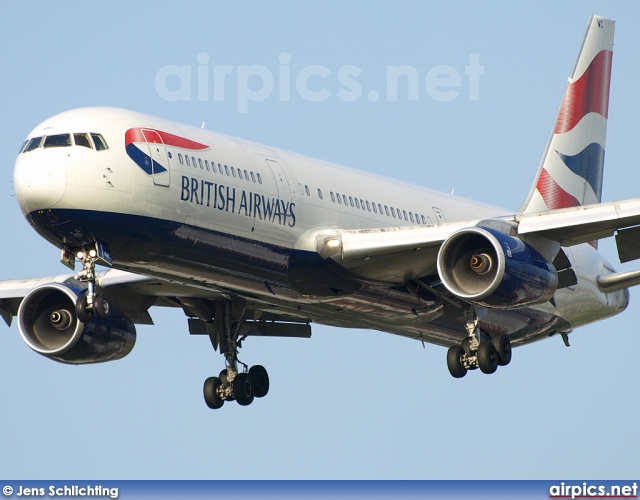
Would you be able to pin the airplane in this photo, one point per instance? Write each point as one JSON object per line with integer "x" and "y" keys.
{"x": 250, "y": 240}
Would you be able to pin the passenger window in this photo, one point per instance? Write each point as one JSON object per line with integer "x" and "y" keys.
{"x": 226, "y": 169}
{"x": 57, "y": 141}
{"x": 374, "y": 208}
{"x": 246, "y": 175}
{"x": 411, "y": 216}
{"x": 233, "y": 171}
{"x": 180, "y": 159}
{"x": 357, "y": 203}
{"x": 333, "y": 199}
{"x": 200, "y": 163}
{"x": 386, "y": 209}
{"x": 368, "y": 206}
{"x": 306, "y": 188}
{"x": 319, "y": 193}
{"x": 99, "y": 142}
{"x": 220, "y": 169}
{"x": 339, "y": 199}
{"x": 344, "y": 198}
{"x": 253, "y": 178}
{"x": 213, "y": 166}
{"x": 239, "y": 174}
{"x": 423, "y": 221}
{"x": 206, "y": 164}
{"x": 186, "y": 159}
{"x": 393, "y": 212}
{"x": 82, "y": 140}
{"x": 259, "y": 179}
{"x": 33, "y": 143}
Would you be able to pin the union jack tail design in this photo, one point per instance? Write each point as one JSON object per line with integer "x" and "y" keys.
{"x": 571, "y": 168}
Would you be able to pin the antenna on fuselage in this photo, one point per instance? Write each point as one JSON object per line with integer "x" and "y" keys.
{"x": 202, "y": 126}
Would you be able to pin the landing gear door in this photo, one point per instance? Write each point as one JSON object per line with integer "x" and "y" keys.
{"x": 159, "y": 160}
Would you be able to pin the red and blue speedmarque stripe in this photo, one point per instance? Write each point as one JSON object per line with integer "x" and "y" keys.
{"x": 154, "y": 136}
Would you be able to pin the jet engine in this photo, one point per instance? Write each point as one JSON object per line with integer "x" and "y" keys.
{"x": 49, "y": 325}
{"x": 489, "y": 268}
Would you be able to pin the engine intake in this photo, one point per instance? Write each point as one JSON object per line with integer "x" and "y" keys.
{"x": 48, "y": 324}
{"x": 493, "y": 269}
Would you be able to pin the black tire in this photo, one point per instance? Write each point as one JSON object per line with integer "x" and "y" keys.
{"x": 503, "y": 345}
{"x": 223, "y": 378}
{"x": 260, "y": 378}
{"x": 487, "y": 357}
{"x": 243, "y": 389}
{"x": 211, "y": 396}
{"x": 455, "y": 357}
{"x": 101, "y": 307}
{"x": 82, "y": 312}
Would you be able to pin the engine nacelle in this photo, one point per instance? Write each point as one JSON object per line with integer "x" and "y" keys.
{"x": 49, "y": 325}
{"x": 493, "y": 269}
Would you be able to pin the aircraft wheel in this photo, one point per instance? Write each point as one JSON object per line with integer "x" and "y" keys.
{"x": 503, "y": 346}
{"x": 82, "y": 312}
{"x": 101, "y": 307}
{"x": 243, "y": 389}
{"x": 211, "y": 397}
{"x": 260, "y": 378}
{"x": 487, "y": 357}
{"x": 455, "y": 357}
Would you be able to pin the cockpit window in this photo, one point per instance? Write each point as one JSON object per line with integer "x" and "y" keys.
{"x": 99, "y": 141}
{"x": 82, "y": 140}
{"x": 23, "y": 145}
{"x": 33, "y": 143}
{"x": 57, "y": 141}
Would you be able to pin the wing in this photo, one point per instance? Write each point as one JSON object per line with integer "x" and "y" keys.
{"x": 400, "y": 254}
{"x": 134, "y": 294}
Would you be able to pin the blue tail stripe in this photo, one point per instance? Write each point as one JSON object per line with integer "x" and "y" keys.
{"x": 588, "y": 164}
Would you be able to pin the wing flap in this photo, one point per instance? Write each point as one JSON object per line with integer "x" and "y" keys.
{"x": 572, "y": 226}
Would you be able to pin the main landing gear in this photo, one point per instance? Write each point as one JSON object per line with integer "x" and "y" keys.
{"x": 232, "y": 384}
{"x": 478, "y": 350}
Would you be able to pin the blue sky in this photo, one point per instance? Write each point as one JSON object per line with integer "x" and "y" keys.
{"x": 347, "y": 404}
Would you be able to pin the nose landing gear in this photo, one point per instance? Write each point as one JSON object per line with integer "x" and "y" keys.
{"x": 93, "y": 303}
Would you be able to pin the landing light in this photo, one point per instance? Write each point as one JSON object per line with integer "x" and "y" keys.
{"x": 79, "y": 255}
{"x": 92, "y": 253}
{"x": 332, "y": 243}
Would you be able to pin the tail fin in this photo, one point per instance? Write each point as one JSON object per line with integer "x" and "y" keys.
{"x": 571, "y": 168}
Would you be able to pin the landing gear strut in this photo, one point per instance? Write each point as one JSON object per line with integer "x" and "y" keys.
{"x": 478, "y": 350}
{"x": 93, "y": 303}
{"x": 233, "y": 384}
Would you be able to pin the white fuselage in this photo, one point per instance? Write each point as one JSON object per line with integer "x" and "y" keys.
{"x": 231, "y": 212}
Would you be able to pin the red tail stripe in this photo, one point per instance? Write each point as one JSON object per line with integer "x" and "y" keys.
{"x": 588, "y": 94}
{"x": 553, "y": 195}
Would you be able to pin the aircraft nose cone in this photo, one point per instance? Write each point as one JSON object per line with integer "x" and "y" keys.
{"x": 39, "y": 179}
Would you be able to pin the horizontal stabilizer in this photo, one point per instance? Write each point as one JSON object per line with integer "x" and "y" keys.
{"x": 618, "y": 281}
